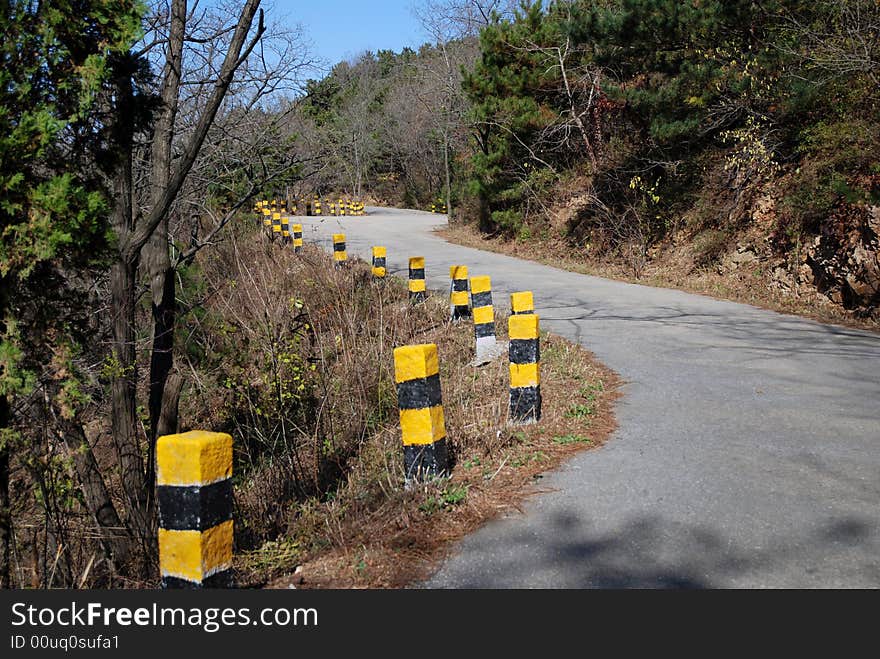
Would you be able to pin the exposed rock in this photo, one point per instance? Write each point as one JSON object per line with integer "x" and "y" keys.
{"x": 845, "y": 260}
{"x": 740, "y": 257}
{"x": 781, "y": 279}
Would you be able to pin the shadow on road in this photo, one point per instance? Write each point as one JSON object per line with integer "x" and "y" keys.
{"x": 647, "y": 552}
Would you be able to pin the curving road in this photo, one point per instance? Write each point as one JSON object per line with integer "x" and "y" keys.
{"x": 748, "y": 452}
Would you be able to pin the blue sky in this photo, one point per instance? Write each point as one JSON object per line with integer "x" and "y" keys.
{"x": 340, "y": 29}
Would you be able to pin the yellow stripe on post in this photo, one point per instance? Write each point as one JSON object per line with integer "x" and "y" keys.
{"x": 197, "y": 457}
{"x": 522, "y": 302}
{"x": 484, "y": 315}
{"x": 196, "y": 555}
{"x": 524, "y": 375}
{"x": 416, "y": 361}
{"x": 481, "y": 284}
{"x": 424, "y": 426}
{"x": 523, "y": 327}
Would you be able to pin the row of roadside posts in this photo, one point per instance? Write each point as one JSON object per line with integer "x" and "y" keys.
{"x": 315, "y": 206}
{"x": 194, "y": 469}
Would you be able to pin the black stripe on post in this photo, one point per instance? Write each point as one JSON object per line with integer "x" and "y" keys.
{"x": 484, "y": 329}
{"x": 424, "y": 460}
{"x": 379, "y": 262}
{"x": 222, "y": 579}
{"x": 460, "y": 285}
{"x": 194, "y": 508}
{"x": 481, "y": 299}
{"x": 460, "y": 312}
{"x": 418, "y": 394}
{"x": 525, "y": 351}
{"x": 338, "y": 247}
{"x": 525, "y": 403}
{"x": 416, "y": 273}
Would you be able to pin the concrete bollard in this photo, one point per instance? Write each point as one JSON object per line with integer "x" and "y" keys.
{"x": 525, "y": 376}
{"x": 267, "y": 218}
{"x": 522, "y": 302}
{"x": 419, "y": 399}
{"x": 484, "y": 319}
{"x": 297, "y": 230}
{"x": 276, "y": 224}
{"x": 340, "y": 207}
{"x": 459, "y": 304}
{"x": 285, "y": 229}
{"x": 194, "y": 493}
{"x": 417, "y": 291}
{"x": 379, "y": 268}
{"x": 340, "y": 256}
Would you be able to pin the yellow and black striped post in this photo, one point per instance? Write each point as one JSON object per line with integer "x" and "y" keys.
{"x": 522, "y": 302}
{"x": 417, "y": 376}
{"x": 194, "y": 492}
{"x": 525, "y": 376}
{"x": 316, "y": 206}
{"x": 417, "y": 291}
{"x": 297, "y": 231}
{"x": 341, "y": 207}
{"x": 379, "y": 267}
{"x": 484, "y": 318}
{"x": 459, "y": 305}
{"x": 267, "y": 218}
{"x": 340, "y": 256}
{"x": 276, "y": 224}
{"x": 285, "y": 229}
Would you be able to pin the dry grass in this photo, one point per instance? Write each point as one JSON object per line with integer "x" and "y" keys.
{"x": 674, "y": 268}
{"x": 397, "y": 537}
{"x": 348, "y": 521}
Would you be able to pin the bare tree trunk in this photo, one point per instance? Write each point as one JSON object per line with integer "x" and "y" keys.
{"x": 114, "y": 537}
{"x": 123, "y": 393}
{"x": 484, "y": 214}
{"x": 5, "y": 502}
{"x": 448, "y": 174}
{"x": 123, "y": 295}
{"x": 5, "y": 512}
{"x": 167, "y": 423}
{"x": 156, "y": 255}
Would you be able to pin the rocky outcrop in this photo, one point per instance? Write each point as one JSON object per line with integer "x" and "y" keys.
{"x": 845, "y": 261}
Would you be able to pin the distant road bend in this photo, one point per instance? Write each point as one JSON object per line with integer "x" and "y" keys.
{"x": 748, "y": 452}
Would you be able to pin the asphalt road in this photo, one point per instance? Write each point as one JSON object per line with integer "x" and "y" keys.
{"x": 748, "y": 448}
